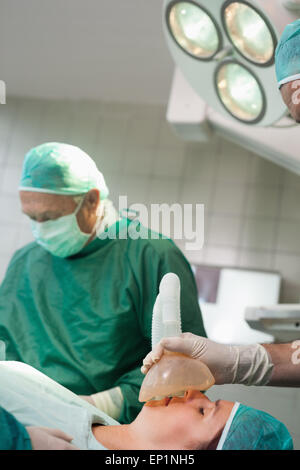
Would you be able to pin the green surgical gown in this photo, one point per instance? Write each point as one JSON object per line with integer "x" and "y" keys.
{"x": 13, "y": 435}
{"x": 85, "y": 321}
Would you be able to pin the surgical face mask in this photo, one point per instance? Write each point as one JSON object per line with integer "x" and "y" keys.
{"x": 62, "y": 237}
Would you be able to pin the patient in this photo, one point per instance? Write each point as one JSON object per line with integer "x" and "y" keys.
{"x": 191, "y": 422}
{"x": 188, "y": 423}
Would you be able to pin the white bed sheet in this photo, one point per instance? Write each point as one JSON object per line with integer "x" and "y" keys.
{"x": 36, "y": 400}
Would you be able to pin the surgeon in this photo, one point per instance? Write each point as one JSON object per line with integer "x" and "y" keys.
{"x": 77, "y": 302}
{"x": 287, "y": 62}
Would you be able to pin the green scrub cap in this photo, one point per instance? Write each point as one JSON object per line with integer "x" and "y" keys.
{"x": 287, "y": 55}
{"x": 61, "y": 169}
{"x": 252, "y": 429}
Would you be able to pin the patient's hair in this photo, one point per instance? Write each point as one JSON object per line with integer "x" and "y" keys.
{"x": 253, "y": 429}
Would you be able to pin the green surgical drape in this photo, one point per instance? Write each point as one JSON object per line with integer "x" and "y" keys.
{"x": 13, "y": 435}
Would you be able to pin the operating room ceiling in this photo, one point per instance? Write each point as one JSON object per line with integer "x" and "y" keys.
{"x": 111, "y": 50}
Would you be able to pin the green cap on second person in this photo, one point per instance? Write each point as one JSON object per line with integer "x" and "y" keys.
{"x": 287, "y": 55}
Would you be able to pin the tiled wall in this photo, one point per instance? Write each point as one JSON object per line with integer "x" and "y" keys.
{"x": 252, "y": 207}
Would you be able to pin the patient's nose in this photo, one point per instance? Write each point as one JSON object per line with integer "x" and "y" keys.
{"x": 195, "y": 394}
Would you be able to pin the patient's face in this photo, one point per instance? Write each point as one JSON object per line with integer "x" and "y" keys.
{"x": 191, "y": 422}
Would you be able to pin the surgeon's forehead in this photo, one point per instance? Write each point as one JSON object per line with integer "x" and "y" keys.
{"x": 291, "y": 93}
{"x": 287, "y": 89}
{"x": 32, "y": 201}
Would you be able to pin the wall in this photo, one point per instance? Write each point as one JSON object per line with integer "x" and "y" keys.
{"x": 252, "y": 207}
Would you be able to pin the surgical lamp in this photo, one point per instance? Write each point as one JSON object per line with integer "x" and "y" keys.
{"x": 250, "y": 32}
{"x": 225, "y": 50}
{"x": 240, "y": 91}
{"x": 194, "y": 30}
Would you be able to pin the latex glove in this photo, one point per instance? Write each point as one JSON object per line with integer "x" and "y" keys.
{"x": 248, "y": 365}
{"x": 43, "y": 438}
{"x": 110, "y": 401}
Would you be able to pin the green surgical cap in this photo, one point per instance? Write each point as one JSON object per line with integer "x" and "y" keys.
{"x": 253, "y": 429}
{"x": 287, "y": 56}
{"x": 61, "y": 169}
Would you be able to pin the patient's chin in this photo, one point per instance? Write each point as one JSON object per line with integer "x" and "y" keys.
{"x": 214, "y": 443}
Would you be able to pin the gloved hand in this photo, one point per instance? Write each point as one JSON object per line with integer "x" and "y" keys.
{"x": 43, "y": 438}
{"x": 248, "y": 365}
{"x": 110, "y": 401}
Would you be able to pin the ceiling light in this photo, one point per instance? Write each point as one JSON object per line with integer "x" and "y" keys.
{"x": 240, "y": 92}
{"x": 193, "y": 29}
{"x": 249, "y": 32}
{"x": 205, "y": 36}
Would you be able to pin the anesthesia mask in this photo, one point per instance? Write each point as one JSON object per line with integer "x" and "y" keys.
{"x": 174, "y": 373}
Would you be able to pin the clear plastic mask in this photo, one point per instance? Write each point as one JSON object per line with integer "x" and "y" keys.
{"x": 172, "y": 375}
